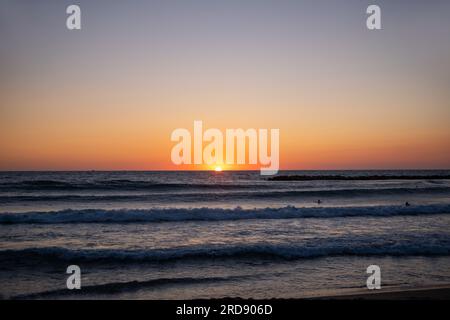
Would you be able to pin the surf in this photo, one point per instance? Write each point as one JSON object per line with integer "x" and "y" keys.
{"x": 158, "y": 215}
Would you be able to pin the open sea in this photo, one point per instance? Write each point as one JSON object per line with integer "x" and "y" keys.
{"x": 186, "y": 235}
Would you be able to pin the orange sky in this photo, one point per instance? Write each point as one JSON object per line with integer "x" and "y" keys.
{"x": 108, "y": 97}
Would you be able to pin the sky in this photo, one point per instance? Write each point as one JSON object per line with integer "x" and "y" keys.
{"x": 108, "y": 96}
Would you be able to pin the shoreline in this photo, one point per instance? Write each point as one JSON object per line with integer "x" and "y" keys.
{"x": 438, "y": 292}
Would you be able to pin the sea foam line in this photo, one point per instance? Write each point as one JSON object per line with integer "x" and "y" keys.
{"x": 214, "y": 214}
{"x": 129, "y": 286}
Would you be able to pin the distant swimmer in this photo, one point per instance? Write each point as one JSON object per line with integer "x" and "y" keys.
{"x": 407, "y": 204}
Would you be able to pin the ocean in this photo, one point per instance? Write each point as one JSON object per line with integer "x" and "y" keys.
{"x": 198, "y": 234}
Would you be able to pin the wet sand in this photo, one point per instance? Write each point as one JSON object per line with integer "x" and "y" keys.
{"x": 429, "y": 293}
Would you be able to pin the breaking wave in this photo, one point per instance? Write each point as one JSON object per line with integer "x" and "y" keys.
{"x": 213, "y": 214}
{"x": 413, "y": 245}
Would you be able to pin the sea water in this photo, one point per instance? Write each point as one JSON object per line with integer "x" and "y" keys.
{"x": 183, "y": 235}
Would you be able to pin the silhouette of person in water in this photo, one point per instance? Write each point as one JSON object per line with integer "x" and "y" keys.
{"x": 407, "y": 204}
{"x": 319, "y": 202}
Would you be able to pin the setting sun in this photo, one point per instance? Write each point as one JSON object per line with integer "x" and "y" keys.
{"x": 218, "y": 169}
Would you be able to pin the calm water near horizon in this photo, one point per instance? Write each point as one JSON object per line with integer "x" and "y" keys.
{"x": 199, "y": 234}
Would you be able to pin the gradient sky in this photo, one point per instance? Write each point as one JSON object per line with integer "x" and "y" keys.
{"x": 107, "y": 97}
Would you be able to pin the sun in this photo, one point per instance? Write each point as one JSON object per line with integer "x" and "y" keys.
{"x": 218, "y": 169}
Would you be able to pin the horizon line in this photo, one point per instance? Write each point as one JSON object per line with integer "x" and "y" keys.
{"x": 212, "y": 170}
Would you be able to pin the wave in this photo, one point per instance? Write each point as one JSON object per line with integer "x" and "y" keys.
{"x": 213, "y": 214}
{"x": 119, "y": 287}
{"x": 158, "y": 185}
{"x": 209, "y": 195}
{"x": 439, "y": 245}
{"x": 117, "y": 184}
